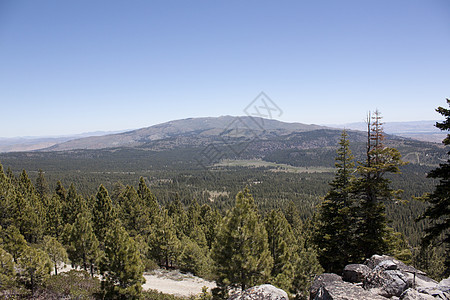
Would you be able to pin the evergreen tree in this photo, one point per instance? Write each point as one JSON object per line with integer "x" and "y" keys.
{"x": 372, "y": 189}
{"x": 56, "y": 251}
{"x": 335, "y": 225}
{"x": 104, "y": 214}
{"x": 7, "y": 199}
{"x": 163, "y": 241}
{"x": 34, "y": 266}
{"x": 194, "y": 258}
{"x": 241, "y": 251}
{"x": 176, "y": 211}
{"x": 306, "y": 268}
{"x": 13, "y": 241}
{"x": 42, "y": 188}
{"x": 439, "y": 210}
{"x": 60, "y": 191}
{"x": 54, "y": 218}
{"x": 28, "y": 210}
{"x": 148, "y": 198}
{"x": 72, "y": 205}
{"x": 135, "y": 215}
{"x": 292, "y": 214}
{"x": 83, "y": 246}
{"x": 283, "y": 248}
{"x": 7, "y": 271}
{"x": 209, "y": 221}
{"x": 121, "y": 266}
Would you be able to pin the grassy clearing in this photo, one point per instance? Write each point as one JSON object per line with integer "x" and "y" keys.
{"x": 274, "y": 167}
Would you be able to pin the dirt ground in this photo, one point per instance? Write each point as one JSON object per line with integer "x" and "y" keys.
{"x": 175, "y": 283}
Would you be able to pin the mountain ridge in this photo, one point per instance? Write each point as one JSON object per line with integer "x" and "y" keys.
{"x": 206, "y": 127}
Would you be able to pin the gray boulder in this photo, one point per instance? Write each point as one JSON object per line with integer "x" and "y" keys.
{"x": 331, "y": 287}
{"x": 355, "y": 273}
{"x": 375, "y": 260}
{"x": 386, "y": 283}
{"x": 261, "y": 292}
{"x": 412, "y": 294}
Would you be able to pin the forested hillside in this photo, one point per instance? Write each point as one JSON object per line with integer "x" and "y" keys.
{"x": 268, "y": 214}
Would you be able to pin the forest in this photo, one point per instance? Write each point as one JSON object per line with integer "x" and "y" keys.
{"x": 241, "y": 227}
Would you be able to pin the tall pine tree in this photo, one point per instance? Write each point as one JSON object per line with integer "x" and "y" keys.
{"x": 241, "y": 250}
{"x": 334, "y": 235}
{"x": 372, "y": 189}
{"x": 439, "y": 210}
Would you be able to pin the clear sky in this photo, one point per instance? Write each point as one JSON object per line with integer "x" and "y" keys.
{"x": 75, "y": 66}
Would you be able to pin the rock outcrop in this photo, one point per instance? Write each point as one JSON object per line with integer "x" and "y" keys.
{"x": 380, "y": 277}
{"x": 261, "y": 292}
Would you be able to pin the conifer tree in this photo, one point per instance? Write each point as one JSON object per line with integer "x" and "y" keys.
{"x": 439, "y": 210}
{"x": 7, "y": 199}
{"x": 241, "y": 251}
{"x": 83, "y": 246}
{"x": 209, "y": 221}
{"x": 42, "y": 188}
{"x": 56, "y": 251}
{"x": 372, "y": 189}
{"x": 135, "y": 215}
{"x": 163, "y": 241}
{"x": 13, "y": 241}
{"x": 60, "y": 191}
{"x": 104, "y": 214}
{"x": 34, "y": 267}
{"x": 72, "y": 205}
{"x": 283, "y": 248}
{"x": 334, "y": 235}
{"x": 7, "y": 270}
{"x": 176, "y": 211}
{"x": 54, "y": 219}
{"x": 121, "y": 265}
{"x": 148, "y": 198}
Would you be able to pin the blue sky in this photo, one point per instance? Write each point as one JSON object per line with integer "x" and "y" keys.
{"x": 77, "y": 66}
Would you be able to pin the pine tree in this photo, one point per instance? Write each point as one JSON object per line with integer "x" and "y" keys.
{"x": 7, "y": 270}
{"x": 209, "y": 221}
{"x": 72, "y": 205}
{"x": 135, "y": 215}
{"x": 34, "y": 267}
{"x": 241, "y": 251}
{"x": 13, "y": 241}
{"x": 283, "y": 248}
{"x": 104, "y": 214}
{"x": 42, "y": 188}
{"x": 56, "y": 251}
{"x": 163, "y": 241}
{"x": 334, "y": 235}
{"x": 83, "y": 246}
{"x": 372, "y": 189}
{"x": 54, "y": 220}
{"x": 176, "y": 211}
{"x": 439, "y": 210}
{"x": 60, "y": 191}
{"x": 121, "y": 266}
{"x": 149, "y": 199}
{"x": 7, "y": 199}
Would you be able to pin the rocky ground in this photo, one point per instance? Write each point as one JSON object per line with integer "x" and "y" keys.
{"x": 380, "y": 277}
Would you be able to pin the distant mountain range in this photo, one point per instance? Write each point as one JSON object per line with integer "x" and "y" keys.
{"x": 201, "y": 131}
{"x": 32, "y": 143}
{"x": 419, "y": 130}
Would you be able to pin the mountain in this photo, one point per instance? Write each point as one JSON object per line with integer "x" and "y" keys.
{"x": 419, "y": 130}
{"x": 189, "y": 131}
{"x": 32, "y": 143}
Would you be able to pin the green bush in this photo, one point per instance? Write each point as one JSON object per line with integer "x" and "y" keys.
{"x": 74, "y": 284}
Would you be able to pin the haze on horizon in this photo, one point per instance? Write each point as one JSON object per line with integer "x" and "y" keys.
{"x": 76, "y": 66}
